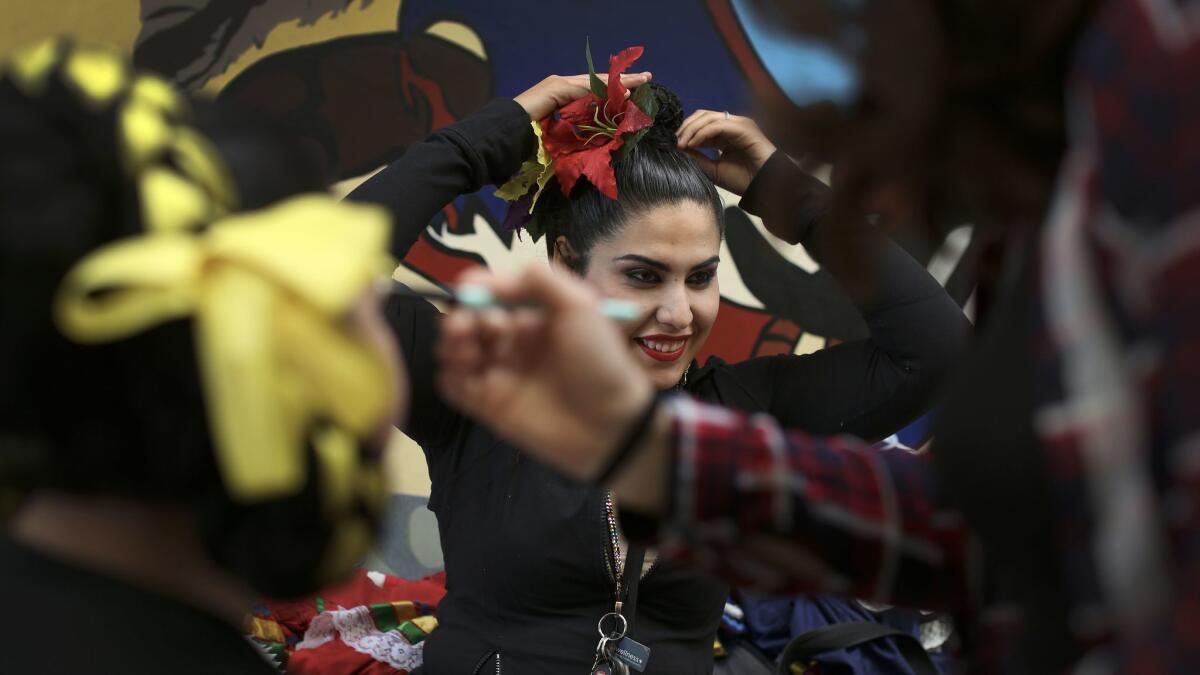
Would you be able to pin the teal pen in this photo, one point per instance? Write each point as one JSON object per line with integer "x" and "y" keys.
{"x": 480, "y": 297}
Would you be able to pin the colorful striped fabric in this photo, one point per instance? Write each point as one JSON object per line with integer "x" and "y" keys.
{"x": 374, "y": 625}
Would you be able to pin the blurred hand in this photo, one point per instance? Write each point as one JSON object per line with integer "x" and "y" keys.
{"x": 741, "y": 146}
{"x": 556, "y": 91}
{"x": 559, "y": 380}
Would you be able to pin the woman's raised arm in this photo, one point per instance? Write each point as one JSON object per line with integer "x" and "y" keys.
{"x": 870, "y": 387}
{"x": 486, "y": 147}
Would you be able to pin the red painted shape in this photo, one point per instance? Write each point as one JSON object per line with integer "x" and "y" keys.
{"x": 735, "y": 334}
{"x": 433, "y": 262}
{"x": 432, "y": 91}
{"x": 451, "y": 213}
{"x": 778, "y": 337}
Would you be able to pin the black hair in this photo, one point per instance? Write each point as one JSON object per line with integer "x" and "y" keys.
{"x": 655, "y": 173}
{"x": 127, "y": 417}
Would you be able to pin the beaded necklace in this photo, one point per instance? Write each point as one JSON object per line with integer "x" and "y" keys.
{"x": 610, "y": 515}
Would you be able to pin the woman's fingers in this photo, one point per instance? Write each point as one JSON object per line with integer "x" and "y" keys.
{"x": 495, "y": 336}
{"x": 627, "y": 79}
{"x": 583, "y": 83}
{"x": 474, "y": 351}
{"x": 689, "y": 124}
{"x": 459, "y": 344}
{"x": 558, "y": 90}
{"x": 688, "y": 132}
{"x": 719, "y": 133}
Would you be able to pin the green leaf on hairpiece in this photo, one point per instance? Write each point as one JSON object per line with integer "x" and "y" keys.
{"x": 598, "y": 87}
{"x": 643, "y": 98}
{"x": 521, "y": 182}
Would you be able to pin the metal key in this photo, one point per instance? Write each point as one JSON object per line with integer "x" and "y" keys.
{"x": 605, "y": 663}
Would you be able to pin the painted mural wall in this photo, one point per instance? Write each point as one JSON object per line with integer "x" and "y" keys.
{"x": 359, "y": 80}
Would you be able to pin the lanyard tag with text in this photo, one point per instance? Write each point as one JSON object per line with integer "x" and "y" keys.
{"x": 633, "y": 653}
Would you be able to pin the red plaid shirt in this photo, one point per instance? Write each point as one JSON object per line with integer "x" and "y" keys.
{"x": 1117, "y": 405}
{"x": 775, "y": 509}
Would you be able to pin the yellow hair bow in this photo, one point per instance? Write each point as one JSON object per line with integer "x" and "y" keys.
{"x": 268, "y": 292}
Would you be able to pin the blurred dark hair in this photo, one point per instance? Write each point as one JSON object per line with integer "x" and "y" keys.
{"x": 126, "y": 417}
{"x": 961, "y": 117}
{"x": 655, "y": 173}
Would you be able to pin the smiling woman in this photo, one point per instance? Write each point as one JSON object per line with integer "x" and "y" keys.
{"x": 665, "y": 262}
{"x": 535, "y": 560}
{"x": 656, "y": 245}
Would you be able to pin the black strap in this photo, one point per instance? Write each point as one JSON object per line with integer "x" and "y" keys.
{"x": 807, "y": 645}
{"x": 633, "y": 578}
{"x": 632, "y": 439}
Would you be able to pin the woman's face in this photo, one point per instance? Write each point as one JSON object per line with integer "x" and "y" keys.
{"x": 665, "y": 261}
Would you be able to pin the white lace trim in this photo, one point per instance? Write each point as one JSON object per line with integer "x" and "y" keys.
{"x": 357, "y": 630}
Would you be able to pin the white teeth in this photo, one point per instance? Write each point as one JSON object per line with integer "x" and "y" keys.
{"x": 661, "y": 346}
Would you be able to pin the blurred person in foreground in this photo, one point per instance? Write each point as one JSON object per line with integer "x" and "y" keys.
{"x": 1057, "y": 511}
{"x": 195, "y": 380}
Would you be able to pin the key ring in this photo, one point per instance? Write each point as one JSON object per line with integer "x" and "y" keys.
{"x": 616, "y": 634}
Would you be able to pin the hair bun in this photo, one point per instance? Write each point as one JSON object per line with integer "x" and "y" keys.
{"x": 667, "y": 119}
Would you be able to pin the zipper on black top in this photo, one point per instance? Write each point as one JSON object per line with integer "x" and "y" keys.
{"x": 479, "y": 666}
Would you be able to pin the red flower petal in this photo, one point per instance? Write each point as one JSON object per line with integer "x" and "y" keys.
{"x": 595, "y": 164}
{"x": 558, "y": 137}
{"x": 633, "y": 119}
{"x": 617, "y": 64}
{"x": 579, "y": 111}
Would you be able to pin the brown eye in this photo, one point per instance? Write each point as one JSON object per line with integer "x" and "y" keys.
{"x": 642, "y": 276}
{"x": 703, "y": 278}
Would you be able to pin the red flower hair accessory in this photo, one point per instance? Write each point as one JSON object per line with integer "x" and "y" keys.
{"x": 583, "y": 138}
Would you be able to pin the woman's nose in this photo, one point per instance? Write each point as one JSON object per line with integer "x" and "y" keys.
{"x": 675, "y": 309}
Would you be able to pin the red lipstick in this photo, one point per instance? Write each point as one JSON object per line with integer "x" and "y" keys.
{"x": 656, "y": 346}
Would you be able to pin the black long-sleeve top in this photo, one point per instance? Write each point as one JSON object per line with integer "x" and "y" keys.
{"x": 527, "y": 550}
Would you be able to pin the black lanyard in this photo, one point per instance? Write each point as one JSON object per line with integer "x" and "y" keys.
{"x": 633, "y": 561}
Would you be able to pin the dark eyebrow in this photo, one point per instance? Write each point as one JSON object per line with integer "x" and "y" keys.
{"x": 648, "y": 262}
{"x": 661, "y": 266}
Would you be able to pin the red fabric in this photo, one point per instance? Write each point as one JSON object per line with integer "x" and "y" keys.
{"x": 295, "y": 617}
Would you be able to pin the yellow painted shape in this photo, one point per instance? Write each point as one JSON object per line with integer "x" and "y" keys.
{"x": 379, "y": 16}
{"x": 809, "y": 343}
{"x": 340, "y": 189}
{"x": 111, "y": 22}
{"x": 461, "y": 35}
{"x": 405, "y": 467}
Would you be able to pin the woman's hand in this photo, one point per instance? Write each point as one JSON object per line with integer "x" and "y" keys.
{"x": 741, "y": 146}
{"x": 560, "y": 380}
{"x": 556, "y": 91}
